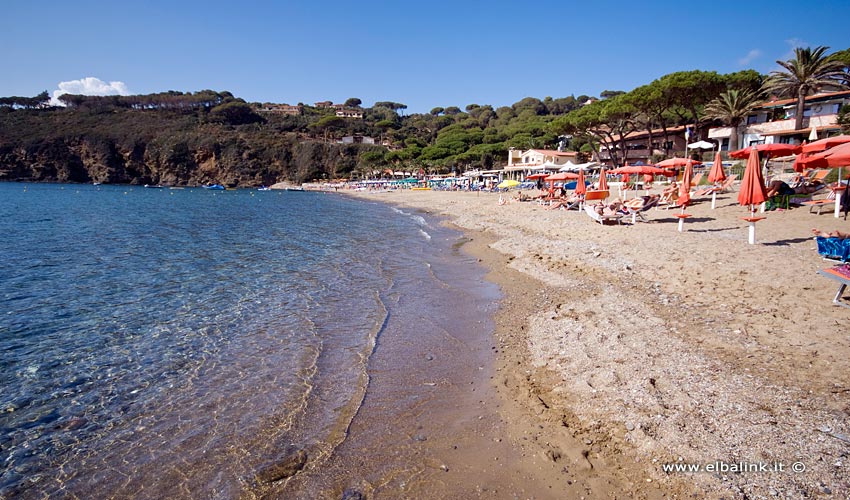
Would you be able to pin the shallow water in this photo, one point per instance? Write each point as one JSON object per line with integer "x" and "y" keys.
{"x": 171, "y": 343}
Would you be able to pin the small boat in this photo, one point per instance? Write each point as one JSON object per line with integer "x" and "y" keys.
{"x": 264, "y": 188}
{"x": 217, "y": 187}
{"x": 295, "y": 189}
{"x": 153, "y": 186}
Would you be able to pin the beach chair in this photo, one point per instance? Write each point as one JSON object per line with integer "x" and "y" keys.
{"x": 727, "y": 184}
{"x": 668, "y": 203}
{"x": 696, "y": 180}
{"x": 837, "y": 249}
{"x": 637, "y": 212}
{"x": 841, "y": 274}
{"x": 596, "y": 195}
{"x": 603, "y": 218}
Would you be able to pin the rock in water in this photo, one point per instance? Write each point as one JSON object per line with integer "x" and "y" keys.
{"x": 292, "y": 462}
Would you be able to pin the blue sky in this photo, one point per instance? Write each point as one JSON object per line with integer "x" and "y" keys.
{"x": 423, "y": 54}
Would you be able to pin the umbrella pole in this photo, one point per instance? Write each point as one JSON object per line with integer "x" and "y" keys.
{"x": 839, "y": 192}
{"x": 713, "y": 198}
{"x": 752, "y": 229}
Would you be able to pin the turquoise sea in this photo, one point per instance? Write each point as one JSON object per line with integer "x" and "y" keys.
{"x": 161, "y": 343}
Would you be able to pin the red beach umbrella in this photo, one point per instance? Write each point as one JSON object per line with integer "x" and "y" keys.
{"x": 716, "y": 174}
{"x": 837, "y": 157}
{"x": 685, "y": 187}
{"x": 640, "y": 169}
{"x": 561, "y": 176}
{"x": 536, "y": 176}
{"x": 581, "y": 188}
{"x": 676, "y": 162}
{"x": 824, "y": 144}
{"x": 603, "y": 180}
{"x": 767, "y": 150}
{"x": 753, "y": 192}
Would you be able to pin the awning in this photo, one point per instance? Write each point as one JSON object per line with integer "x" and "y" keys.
{"x": 802, "y": 131}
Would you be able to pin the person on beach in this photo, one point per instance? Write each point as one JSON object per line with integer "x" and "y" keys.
{"x": 782, "y": 188}
{"x": 612, "y": 208}
{"x": 669, "y": 192}
{"x": 564, "y": 202}
{"x": 831, "y": 234}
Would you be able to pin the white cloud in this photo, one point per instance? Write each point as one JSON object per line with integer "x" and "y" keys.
{"x": 794, "y": 43}
{"x": 88, "y": 86}
{"x": 750, "y": 57}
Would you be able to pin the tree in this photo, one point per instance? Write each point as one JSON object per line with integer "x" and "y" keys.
{"x": 353, "y": 102}
{"x": 732, "y": 108}
{"x": 605, "y": 94}
{"x": 437, "y": 111}
{"x": 810, "y": 71}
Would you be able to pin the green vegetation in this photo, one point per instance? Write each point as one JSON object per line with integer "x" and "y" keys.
{"x": 208, "y": 136}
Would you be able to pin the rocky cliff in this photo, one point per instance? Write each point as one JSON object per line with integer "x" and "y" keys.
{"x": 146, "y": 148}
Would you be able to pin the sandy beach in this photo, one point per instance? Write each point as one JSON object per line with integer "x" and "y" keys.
{"x": 625, "y": 350}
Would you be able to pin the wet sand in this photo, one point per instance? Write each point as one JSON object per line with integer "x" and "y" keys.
{"x": 625, "y": 348}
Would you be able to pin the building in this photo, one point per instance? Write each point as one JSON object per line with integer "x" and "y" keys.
{"x": 357, "y": 139}
{"x": 324, "y": 104}
{"x": 284, "y": 109}
{"x": 773, "y": 121}
{"x": 349, "y": 113}
{"x": 639, "y": 148}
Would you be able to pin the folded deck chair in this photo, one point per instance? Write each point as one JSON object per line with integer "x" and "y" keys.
{"x": 602, "y": 219}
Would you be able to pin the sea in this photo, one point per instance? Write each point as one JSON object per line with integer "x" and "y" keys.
{"x": 182, "y": 343}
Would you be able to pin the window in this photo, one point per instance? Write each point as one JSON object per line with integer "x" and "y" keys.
{"x": 752, "y": 119}
{"x": 724, "y": 144}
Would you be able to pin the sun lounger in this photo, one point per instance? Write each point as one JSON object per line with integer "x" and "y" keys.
{"x": 841, "y": 274}
{"x": 602, "y": 219}
{"x": 638, "y": 212}
{"x": 837, "y": 249}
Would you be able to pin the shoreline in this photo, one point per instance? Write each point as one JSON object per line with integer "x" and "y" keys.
{"x": 694, "y": 349}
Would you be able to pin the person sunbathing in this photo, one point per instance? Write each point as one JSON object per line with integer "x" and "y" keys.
{"x": 831, "y": 234}
{"x": 564, "y": 202}
{"x": 669, "y": 192}
{"x": 639, "y": 203}
{"x": 782, "y": 188}
{"x": 612, "y": 208}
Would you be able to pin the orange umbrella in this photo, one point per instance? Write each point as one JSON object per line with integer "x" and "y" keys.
{"x": 837, "y": 157}
{"x": 581, "y": 187}
{"x": 768, "y": 150}
{"x": 685, "y": 187}
{"x": 753, "y": 191}
{"x": 603, "y": 180}
{"x": 676, "y": 162}
{"x": 717, "y": 174}
{"x": 824, "y": 144}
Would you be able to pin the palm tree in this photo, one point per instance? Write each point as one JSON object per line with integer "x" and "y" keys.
{"x": 808, "y": 72}
{"x": 732, "y": 108}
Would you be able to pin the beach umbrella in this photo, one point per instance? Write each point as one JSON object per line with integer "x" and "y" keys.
{"x": 676, "y": 162}
{"x": 685, "y": 187}
{"x": 581, "y": 187}
{"x": 536, "y": 176}
{"x": 824, "y": 144}
{"x": 753, "y": 191}
{"x": 767, "y": 150}
{"x": 641, "y": 170}
{"x": 701, "y": 145}
{"x": 716, "y": 175}
{"x": 603, "y": 180}
{"x": 507, "y": 184}
{"x": 836, "y": 157}
{"x": 561, "y": 176}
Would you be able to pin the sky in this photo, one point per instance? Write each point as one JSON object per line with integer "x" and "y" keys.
{"x": 424, "y": 54}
